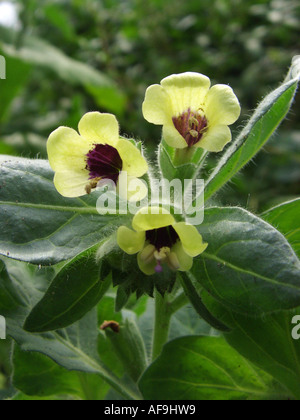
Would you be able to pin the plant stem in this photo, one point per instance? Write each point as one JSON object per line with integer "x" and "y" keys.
{"x": 164, "y": 309}
{"x": 161, "y": 324}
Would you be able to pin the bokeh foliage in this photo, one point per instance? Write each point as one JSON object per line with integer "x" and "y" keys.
{"x": 120, "y": 48}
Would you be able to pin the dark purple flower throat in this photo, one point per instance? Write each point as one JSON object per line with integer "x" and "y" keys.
{"x": 162, "y": 237}
{"x": 104, "y": 162}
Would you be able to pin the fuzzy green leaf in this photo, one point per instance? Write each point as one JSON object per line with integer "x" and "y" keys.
{"x": 248, "y": 266}
{"x": 267, "y": 342}
{"x": 286, "y": 218}
{"x": 40, "y": 226}
{"x": 37, "y": 375}
{"x": 74, "y": 348}
{"x": 76, "y": 289}
{"x": 204, "y": 368}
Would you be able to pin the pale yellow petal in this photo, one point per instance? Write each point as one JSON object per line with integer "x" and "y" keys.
{"x": 130, "y": 241}
{"x": 215, "y": 139}
{"x": 133, "y": 161}
{"x": 131, "y": 188}
{"x": 222, "y": 107}
{"x": 186, "y": 90}
{"x": 98, "y": 128}
{"x": 172, "y": 136}
{"x": 150, "y": 218}
{"x": 157, "y": 105}
{"x": 67, "y": 150}
{"x": 71, "y": 183}
{"x": 185, "y": 260}
{"x": 190, "y": 238}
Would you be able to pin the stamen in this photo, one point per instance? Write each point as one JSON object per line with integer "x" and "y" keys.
{"x": 191, "y": 125}
{"x": 91, "y": 185}
{"x": 192, "y": 121}
{"x": 194, "y": 133}
{"x": 173, "y": 262}
{"x": 147, "y": 254}
{"x": 161, "y": 255}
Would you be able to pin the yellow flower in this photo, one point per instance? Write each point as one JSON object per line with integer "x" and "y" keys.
{"x": 192, "y": 113}
{"x": 80, "y": 161}
{"x": 159, "y": 239}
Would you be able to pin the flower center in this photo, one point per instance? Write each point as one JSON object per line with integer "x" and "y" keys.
{"x": 162, "y": 237}
{"x": 191, "y": 125}
{"x": 103, "y": 162}
{"x": 160, "y": 243}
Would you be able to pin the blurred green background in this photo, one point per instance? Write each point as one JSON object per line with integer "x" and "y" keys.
{"x": 66, "y": 57}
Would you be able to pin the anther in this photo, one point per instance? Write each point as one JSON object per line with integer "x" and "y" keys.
{"x": 194, "y": 133}
{"x": 147, "y": 254}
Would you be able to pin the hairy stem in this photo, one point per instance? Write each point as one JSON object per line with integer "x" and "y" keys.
{"x": 161, "y": 324}
{"x": 164, "y": 310}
